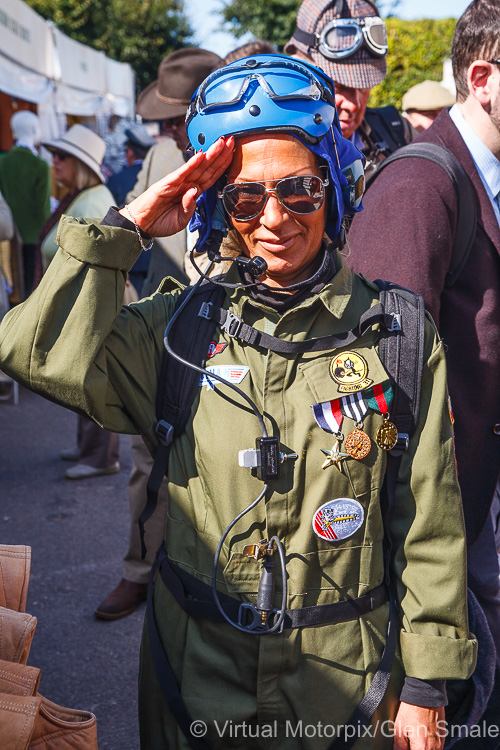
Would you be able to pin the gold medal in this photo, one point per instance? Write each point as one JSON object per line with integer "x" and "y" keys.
{"x": 357, "y": 444}
{"x": 387, "y": 435}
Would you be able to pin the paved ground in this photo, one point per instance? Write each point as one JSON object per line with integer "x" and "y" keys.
{"x": 77, "y": 531}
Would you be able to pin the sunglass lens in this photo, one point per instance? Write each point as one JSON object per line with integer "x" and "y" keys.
{"x": 244, "y": 201}
{"x": 301, "y": 195}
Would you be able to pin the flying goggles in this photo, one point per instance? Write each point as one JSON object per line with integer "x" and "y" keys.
{"x": 343, "y": 37}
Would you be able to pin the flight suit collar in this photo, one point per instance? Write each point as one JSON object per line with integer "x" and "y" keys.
{"x": 335, "y": 295}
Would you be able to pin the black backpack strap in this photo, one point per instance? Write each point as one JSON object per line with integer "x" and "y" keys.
{"x": 403, "y": 357}
{"x": 388, "y": 131}
{"x": 178, "y": 384}
{"x": 465, "y": 231}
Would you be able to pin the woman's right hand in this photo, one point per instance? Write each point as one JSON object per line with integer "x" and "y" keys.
{"x": 166, "y": 207}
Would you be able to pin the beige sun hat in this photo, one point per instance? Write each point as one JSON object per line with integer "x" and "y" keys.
{"x": 82, "y": 143}
{"x": 428, "y": 95}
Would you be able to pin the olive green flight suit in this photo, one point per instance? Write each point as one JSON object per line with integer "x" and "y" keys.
{"x": 72, "y": 342}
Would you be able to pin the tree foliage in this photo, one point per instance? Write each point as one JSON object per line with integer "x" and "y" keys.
{"x": 416, "y": 53}
{"x": 273, "y": 20}
{"x": 140, "y": 32}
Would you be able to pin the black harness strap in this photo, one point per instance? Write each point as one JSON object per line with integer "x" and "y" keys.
{"x": 195, "y": 598}
{"x": 235, "y": 327}
{"x": 166, "y": 677}
{"x": 177, "y": 387}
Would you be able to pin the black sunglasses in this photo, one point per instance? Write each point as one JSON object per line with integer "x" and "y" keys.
{"x": 60, "y": 155}
{"x": 303, "y": 194}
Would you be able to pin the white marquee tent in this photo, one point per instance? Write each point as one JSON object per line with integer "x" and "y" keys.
{"x": 40, "y": 64}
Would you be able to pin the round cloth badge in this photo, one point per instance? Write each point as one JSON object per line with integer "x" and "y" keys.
{"x": 338, "y": 519}
{"x": 350, "y": 370}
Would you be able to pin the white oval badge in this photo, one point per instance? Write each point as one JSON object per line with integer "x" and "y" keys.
{"x": 338, "y": 519}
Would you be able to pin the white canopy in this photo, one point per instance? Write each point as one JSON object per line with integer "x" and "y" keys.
{"x": 40, "y": 64}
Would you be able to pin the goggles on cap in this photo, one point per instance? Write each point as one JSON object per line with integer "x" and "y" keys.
{"x": 343, "y": 37}
{"x": 302, "y": 194}
{"x": 278, "y": 87}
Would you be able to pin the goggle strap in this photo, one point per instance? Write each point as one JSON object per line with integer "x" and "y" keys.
{"x": 305, "y": 38}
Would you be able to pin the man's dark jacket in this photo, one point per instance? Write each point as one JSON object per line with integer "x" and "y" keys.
{"x": 405, "y": 235}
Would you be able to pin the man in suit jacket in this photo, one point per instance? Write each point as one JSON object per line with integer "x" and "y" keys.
{"x": 25, "y": 184}
{"x": 405, "y": 234}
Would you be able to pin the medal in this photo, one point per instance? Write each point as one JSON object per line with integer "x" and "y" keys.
{"x": 387, "y": 435}
{"x": 357, "y": 443}
{"x": 334, "y": 457}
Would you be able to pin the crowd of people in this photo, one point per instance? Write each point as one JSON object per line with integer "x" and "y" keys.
{"x": 368, "y": 572}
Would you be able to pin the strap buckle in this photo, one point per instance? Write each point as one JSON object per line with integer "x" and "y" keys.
{"x": 232, "y": 324}
{"x": 395, "y": 322}
{"x": 165, "y": 432}
{"x": 401, "y": 445}
{"x": 250, "y": 618}
{"x": 205, "y": 311}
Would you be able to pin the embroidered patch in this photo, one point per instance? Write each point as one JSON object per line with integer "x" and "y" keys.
{"x": 338, "y": 519}
{"x": 215, "y": 348}
{"x": 350, "y": 371}
{"x": 233, "y": 373}
{"x": 452, "y": 418}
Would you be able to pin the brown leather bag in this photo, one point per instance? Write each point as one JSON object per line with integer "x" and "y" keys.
{"x": 15, "y": 566}
{"x": 27, "y": 719}
{"x": 16, "y": 633}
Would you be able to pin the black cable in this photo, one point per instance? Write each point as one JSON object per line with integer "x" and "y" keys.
{"x": 203, "y": 371}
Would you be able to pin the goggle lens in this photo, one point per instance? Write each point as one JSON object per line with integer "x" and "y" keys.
{"x": 342, "y": 38}
{"x": 301, "y": 195}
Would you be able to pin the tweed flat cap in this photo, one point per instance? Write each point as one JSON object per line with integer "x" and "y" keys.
{"x": 426, "y": 96}
{"x": 360, "y": 71}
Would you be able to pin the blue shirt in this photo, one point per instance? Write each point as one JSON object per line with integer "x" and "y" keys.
{"x": 487, "y": 165}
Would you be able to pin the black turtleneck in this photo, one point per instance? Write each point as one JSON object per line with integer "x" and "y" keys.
{"x": 284, "y": 299}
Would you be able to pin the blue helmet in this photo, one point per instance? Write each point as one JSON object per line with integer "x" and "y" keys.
{"x": 276, "y": 94}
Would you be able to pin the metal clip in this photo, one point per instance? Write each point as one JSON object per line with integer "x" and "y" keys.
{"x": 288, "y": 457}
{"x": 259, "y": 550}
{"x": 232, "y": 324}
{"x": 205, "y": 311}
{"x": 396, "y": 322}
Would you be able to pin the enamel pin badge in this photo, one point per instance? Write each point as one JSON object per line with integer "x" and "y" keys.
{"x": 338, "y": 519}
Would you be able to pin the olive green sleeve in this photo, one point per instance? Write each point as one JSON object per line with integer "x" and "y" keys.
{"x": 72, "y": 341}
{"x": 428, "y": 538}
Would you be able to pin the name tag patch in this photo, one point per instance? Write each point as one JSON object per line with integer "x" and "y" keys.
{"x": 232, "y": 373}
{"x": 338, "y": 519}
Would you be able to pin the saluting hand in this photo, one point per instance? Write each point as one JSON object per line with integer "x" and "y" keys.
{"x": 166, "y": 207}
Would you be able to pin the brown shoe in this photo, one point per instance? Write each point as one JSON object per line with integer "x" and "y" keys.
{"x": 122, "y": 601}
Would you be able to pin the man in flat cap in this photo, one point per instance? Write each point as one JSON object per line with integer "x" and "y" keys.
{"x": 423, "y": 103}
{"x": 347, "y": 39}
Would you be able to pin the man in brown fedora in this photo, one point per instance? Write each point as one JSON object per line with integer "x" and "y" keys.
{"x": 347, "y": 39}
{"x": 165, "y": 100}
